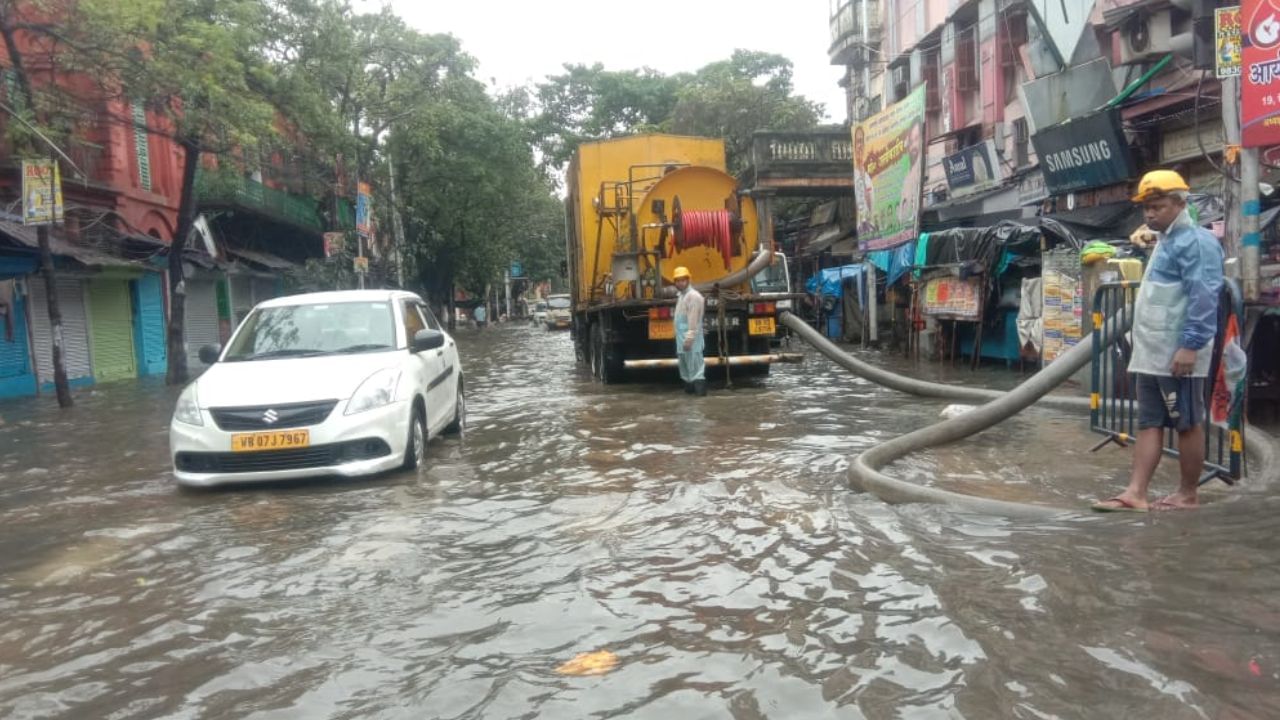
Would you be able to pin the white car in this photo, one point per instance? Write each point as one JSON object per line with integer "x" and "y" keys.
{"x": 341, "y": 383}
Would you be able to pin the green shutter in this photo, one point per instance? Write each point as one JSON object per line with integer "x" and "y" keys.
{"x": 140, "y": 145}
{"x": 111, "y": 330}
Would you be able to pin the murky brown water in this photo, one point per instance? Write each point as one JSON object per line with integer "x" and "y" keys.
{"x": 712, "y": 545}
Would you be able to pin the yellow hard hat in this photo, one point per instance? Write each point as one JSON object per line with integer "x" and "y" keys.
{"x": 1159, "y": 182}
{"x": 681, "y": 272}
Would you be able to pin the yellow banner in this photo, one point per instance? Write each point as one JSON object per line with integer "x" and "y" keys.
{"x": 41, "y": 192}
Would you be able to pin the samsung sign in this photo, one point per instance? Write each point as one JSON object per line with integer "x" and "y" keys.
{"x": 1087, "y": 152}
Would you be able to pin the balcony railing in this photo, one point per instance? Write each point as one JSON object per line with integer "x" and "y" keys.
{"x": 802, "y": 161}
{"x": 232, "y": 190}
{"x": 849, "y": 28}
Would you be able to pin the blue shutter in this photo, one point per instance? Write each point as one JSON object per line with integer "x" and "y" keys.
{"x": 16, "y": 374}
{"x": 148, "y": 324}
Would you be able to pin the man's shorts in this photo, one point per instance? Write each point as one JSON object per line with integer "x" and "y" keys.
{"x": 1169, "y": 402}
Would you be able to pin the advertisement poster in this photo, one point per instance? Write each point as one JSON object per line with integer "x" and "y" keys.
{"x": 333, "y": 243}
{"x": 41, "y": 192}
{"x": 1226, "y": 41}
{"x": 973, "y": 169}
{"x": 364, "y": 218}
{"x": 953, "y": 298}
{"x": 1260, "y": 73}
{"x": 1062, "y": 295}
{"x": 888, "y": 167}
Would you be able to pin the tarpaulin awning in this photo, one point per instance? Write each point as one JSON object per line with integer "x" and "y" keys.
{"x": 830, "y": 282}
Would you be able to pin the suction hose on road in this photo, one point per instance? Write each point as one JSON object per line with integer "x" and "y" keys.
{"x": 865, "y": 472}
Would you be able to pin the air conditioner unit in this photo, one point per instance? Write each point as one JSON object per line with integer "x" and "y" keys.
{"x": 1145, "y": 36}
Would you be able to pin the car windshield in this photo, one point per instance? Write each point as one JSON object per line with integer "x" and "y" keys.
{"x": 559, "y": 303}
{"x": 540, "y": 307}
{"x": 772, "y": 278}
{"x": 308, "y": 330}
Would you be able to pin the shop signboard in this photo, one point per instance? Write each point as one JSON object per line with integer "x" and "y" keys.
{"x": 973, "y": 169}
{"x": 41, "y": 192}
{"x": 953, "y": 298}
{"x": 1226, "y": 43}
{"x": 888, "y": 168}
{"x": 1260, "y": 73}
{"x": 1031, "y": 189}
{"x": 1087, "y": 152}
{"x": 1187, "y": 143}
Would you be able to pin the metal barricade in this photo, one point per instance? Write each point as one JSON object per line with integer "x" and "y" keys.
{"x": 1113, "y": 401}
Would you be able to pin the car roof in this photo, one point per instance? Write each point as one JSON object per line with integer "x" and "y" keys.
{"x": 340, "y": 296}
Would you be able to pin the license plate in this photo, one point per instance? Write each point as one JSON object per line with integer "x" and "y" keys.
{"x": 276, "y": 440}
{"x": 761, "y": 326}
{"x": 662, "y": 329}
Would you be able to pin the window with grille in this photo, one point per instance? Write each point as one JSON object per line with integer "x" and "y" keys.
{"x": 967, "y": 60}
{"x": 932, "y": 93}
{"x": 1021, "y": 138}
{"x": 1013, "y": 37}
{"x": 141, "y": 145}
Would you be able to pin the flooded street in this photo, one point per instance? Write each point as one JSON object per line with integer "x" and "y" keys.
{"x": 713, "y": 545}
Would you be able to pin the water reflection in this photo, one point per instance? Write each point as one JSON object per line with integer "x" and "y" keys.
{"x": 712, "y": 545}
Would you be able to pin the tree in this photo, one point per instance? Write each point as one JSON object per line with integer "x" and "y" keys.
{"x": 588, "y": 103}
{"x": 735, "y": 98}
{"x": 43, "y": 121}
{"x": 203, "y": 65}
{"x": 730, "y": 99}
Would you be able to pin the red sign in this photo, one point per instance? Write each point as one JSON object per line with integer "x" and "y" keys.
{"x": 1260, "y": 79}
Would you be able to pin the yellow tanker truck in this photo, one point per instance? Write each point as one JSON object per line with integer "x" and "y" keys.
{"x": 638, "y": 208}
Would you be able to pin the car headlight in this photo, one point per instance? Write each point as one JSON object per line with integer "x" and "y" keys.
{"x": 378, "y": 390}
{"x": 188, "y": 409}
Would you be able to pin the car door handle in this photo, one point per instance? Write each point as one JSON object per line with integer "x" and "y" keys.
{"x": 439, "y": 353}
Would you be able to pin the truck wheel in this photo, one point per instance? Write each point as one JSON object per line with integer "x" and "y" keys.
{"x": 603, "y": 365}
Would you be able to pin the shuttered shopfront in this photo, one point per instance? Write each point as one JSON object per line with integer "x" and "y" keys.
{"x": 111, "y": 330}
{"x": 75, "y": 332}
{"x": 149, "y": 324}
{"x": 17, "y": 376}
{"x": 201, "y": 318}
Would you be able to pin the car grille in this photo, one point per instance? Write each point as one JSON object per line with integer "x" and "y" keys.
{"x": 281, "y": 416}
{"x": 319, "y": 456}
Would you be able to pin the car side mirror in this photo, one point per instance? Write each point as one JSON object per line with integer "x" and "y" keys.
{"x": 425, "y": 340}
{"x": 209, "y": 354}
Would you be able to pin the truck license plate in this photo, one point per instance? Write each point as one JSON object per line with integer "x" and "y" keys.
{"x": 662, "y": 329}
{"x": 761, "y": 326}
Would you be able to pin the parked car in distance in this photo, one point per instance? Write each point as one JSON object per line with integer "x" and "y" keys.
{"x": 540, "y": 312}
{"x": 339, "y": 383}
{"x": 559, "y": 312}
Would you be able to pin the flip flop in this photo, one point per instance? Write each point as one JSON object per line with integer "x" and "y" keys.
{"x": 1125, "y": 506}
{"x": 1163, "y": 505}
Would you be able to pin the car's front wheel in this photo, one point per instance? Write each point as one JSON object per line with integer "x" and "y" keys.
{"x": 459, "y": 423}
{"x": 416, "y": 448}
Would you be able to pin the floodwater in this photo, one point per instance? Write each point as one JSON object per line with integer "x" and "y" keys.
{"x": 712, "y": 545}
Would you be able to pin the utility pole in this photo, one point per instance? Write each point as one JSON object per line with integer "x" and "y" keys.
{"x": 506, "y": 277}
{"x": 396, "y": 225}
{"x": 61, "y": 386}
{"x": 1244, "y": 206}
{"x": 1230, "y": 90}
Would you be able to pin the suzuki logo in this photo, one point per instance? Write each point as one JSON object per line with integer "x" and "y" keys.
{"x": 270, "y": 417}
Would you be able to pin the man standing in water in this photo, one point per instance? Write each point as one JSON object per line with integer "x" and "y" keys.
{"x": 690, "y": 342}
{"x": 1175, "y": 319}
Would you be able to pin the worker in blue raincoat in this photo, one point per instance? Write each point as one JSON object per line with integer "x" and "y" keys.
{"x": 1175, "y": 320}
{"x": 690, "y": 342}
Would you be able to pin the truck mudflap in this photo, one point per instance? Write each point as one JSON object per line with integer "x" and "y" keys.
{"x": 716, "y": 361}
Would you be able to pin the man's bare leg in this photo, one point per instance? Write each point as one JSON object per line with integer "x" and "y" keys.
{"x": 1191, "y": 464}
{"x": 1146, "y": 458}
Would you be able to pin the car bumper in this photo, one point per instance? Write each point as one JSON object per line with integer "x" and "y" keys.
{"x": 324, "y": 457}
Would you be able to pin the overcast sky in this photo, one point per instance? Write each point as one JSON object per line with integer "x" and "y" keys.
{"x": 518, "y": 42}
